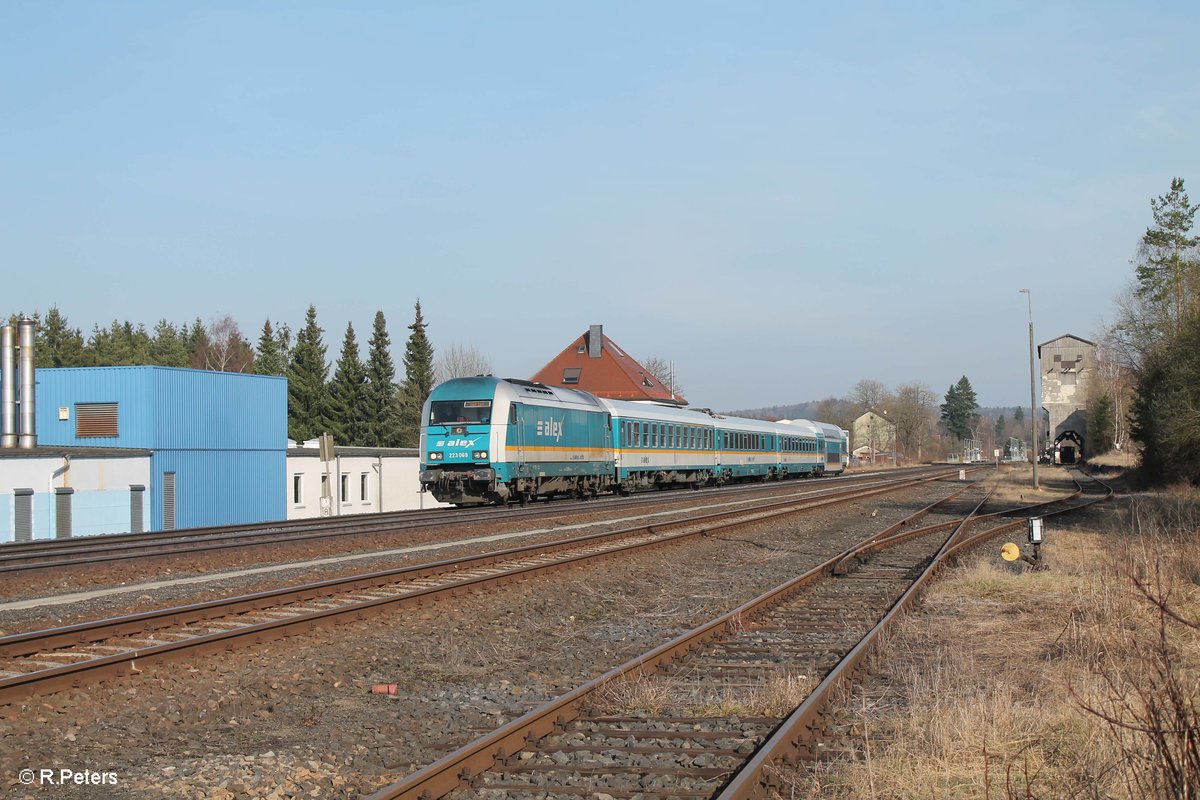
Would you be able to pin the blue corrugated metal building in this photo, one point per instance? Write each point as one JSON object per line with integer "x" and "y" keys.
{"x": 218, "y": 439}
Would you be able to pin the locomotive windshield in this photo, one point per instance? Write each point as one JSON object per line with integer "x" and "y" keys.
{"x": 448, "y": 412}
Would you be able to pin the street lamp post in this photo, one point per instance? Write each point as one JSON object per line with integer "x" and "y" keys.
{"x": 1032, "y": 400}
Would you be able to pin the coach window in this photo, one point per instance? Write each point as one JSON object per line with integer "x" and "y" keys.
{"x": 297, "y": 489}
{"x": 345, "y": 488}
{"x": 364, "y": 493}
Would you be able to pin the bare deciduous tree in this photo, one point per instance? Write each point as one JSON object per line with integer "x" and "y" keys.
{"x": 870, "y": 395}
{"x": 223, "y": 349}
{"x": 462, "y": 361}
{"x": 836, "y": 411}
{"x": 915, "y": 416}
{"x": 664, "y": 372}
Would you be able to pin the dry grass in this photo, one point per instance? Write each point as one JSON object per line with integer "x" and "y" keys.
{"x": 1115, "y": 458}
{"x": 1016, "y": 484}
{"x": 1069, "y": 683}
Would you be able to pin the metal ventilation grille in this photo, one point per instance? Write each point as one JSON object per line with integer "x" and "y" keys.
{"x": 95, "y": 419}
{"x": 62, "y": 513}
{"x": 137, "y": 509}
{"x": 23, "y": 515}
{"x": 168, "y": 501}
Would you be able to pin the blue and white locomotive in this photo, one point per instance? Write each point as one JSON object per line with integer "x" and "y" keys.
{"x": 494, "y": 440}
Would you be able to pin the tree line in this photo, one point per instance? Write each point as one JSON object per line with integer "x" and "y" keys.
{"x": 361, "y": 404}
{"x": 922, "y": 427}
{"x": 1150, "y": 366}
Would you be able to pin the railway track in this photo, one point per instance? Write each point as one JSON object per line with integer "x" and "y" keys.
{"x": 815, "y": 629}
{"x": 26, "y": 557}
{"x": 50, "y": 660}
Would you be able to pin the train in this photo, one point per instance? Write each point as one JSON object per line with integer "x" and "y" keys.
{"x": 488, "y": 440}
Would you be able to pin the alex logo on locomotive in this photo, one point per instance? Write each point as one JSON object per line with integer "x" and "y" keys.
{"x": 551, "y": 428}
{"x": 455, "y": 443}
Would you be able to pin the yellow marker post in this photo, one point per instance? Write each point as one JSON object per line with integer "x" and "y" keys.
{"x": 1010, "y": 552}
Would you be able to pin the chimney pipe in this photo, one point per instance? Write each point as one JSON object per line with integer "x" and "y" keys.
{"x": 8, "y": 387}
{"x": 28, "y": 438}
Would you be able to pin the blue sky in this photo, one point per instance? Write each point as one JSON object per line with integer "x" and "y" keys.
{"x": 780, "y": 198}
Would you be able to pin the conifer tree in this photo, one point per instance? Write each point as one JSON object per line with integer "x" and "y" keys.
{"x": 308, "y": 396}
{"x": 418, "y": 380}
{"x": 1099, "y": 425}
{"x": 271, "y": 357}
{"x": 379, "y": 394}
{"x": 346, "y": 410}
{"x": 960, "y": 412}
{"x": 59, "y": 345}
{"x": 169, "y": 346}
{"x": 1169, "y": 270}
{"x": 197, "y": 342}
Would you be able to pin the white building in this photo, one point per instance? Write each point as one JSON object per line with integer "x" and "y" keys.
{"x": 365, "y": 480}
{"x": 54, "y": 492}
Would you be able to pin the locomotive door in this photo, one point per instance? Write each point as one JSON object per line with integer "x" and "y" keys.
{"x": 516, "y": 426}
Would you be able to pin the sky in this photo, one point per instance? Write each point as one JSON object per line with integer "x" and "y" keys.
{"x": 781, "y": 199}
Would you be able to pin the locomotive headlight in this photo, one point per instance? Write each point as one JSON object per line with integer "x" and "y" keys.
{"x": 435, "y": 456}
{"x": 480, "y": 455}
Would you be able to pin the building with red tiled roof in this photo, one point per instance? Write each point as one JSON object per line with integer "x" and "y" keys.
{"x": 595, "y": 364}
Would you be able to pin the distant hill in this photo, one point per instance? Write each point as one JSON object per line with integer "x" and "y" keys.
{"x": 808, "y": 410}
{"x": 1007, "y": 411}
{"x": 795, "y": 411}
